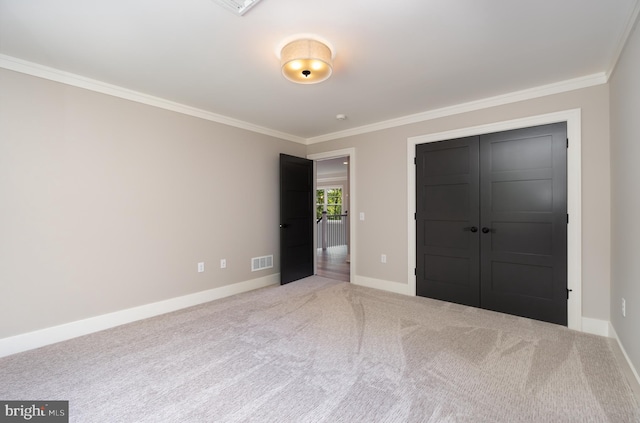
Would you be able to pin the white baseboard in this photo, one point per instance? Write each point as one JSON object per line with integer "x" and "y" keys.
{"x": 595, "y": 326}
{"x": 398, "y": 288}
{"x": 51, "y": 335}
{"x": 614, "y": 335}
{"x": 604, "y": 328}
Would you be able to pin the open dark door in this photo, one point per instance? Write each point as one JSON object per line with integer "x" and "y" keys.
{"x": 296, "y": 218}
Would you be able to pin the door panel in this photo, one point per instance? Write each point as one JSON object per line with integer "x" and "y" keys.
{"x": 508, "y": 236}
{"x": 296, "y": 218}
{"x": 523, "y": 200}
{"x": 446, "y": 200}
{"x": 448, "y": 161}
{"x": 447, "y": 204}
{"x": 511, "y": 187}
{"x": 522, "y": 196}
{"x": 443, "y": 234}
{"x": 521, "y": 154}
{"x": 447, "y": 270}
{"x": 532, "y": 281}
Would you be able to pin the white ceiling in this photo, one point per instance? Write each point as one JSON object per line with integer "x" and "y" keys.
{"x": 332, "y": 168}
{"x": 393, "y": 58}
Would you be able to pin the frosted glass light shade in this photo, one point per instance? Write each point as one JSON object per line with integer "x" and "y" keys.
{"x": 306, "y": 61}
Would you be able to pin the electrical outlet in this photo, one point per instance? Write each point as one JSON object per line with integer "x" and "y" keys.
{"x": 361, "y": 215}
{"x": 223, "y": 263}
{"x": 383, "y": 258}
{"x": 201, "y": 267}
{"x": 624, "y": 308}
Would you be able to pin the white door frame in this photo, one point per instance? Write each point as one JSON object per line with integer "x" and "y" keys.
{"x": 574, "y": 195}
{"x": 351, "y": 153}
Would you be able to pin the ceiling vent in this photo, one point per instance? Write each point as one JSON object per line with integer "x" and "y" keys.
{"x": 239, "y": 7}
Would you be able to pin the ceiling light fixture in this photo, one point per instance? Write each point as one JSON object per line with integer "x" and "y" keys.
{"x": 306, "y": 61}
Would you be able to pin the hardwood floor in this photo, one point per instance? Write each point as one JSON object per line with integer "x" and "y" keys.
{"x": 332, "y": 263}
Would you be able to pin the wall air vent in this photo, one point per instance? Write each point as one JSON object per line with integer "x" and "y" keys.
{"x": 239, "y": 7}
{"x": 260, "y": 263}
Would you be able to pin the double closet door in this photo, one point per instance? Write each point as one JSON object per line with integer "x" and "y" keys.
{"x": 491, "y": 221}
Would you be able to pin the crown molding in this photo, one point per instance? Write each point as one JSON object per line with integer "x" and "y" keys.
{"x": 513, "y": 97}
{"x": 332, "y": 179}
{"x": 52, "y": 74}
{"x": 45, "y": 72}
{"x": 622, "y": 39}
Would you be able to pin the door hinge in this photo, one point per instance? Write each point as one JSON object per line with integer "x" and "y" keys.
{"x": 415, "y": 271}
{"x": 567, "y": 217}
{"x": 567, "y": 142}
{"x": 568, "y": 291}
{"x": 415, "y": 160}
{"x": 415, "y": 216}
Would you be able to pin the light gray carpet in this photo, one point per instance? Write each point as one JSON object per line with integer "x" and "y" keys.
{"x": 319, "y": 350}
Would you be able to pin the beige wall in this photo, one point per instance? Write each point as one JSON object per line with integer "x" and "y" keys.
{"x": 108, "y": 204}
{"x": 381, "y": 187}
{"x": 625, "y": 197}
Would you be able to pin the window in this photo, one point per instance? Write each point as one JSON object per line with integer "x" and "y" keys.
{"x": 329, "y": 199}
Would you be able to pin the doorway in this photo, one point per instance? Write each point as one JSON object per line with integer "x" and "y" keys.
{"x": 335, "y": 231}
{"x": 332, "y": 218}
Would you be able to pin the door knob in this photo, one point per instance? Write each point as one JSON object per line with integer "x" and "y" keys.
{"x": 471, "y": 228}
{"x": 283, "y": 225}
{"x": 486, "y": 230}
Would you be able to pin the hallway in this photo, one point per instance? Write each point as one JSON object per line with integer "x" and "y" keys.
{"x": 332, "y": 263}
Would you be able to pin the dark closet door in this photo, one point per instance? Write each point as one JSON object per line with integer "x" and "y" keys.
{"x": 491, "y": 222}
{"x": 447, "y": 221}
{"x": 296, "y": 218}
{"x": 523, "y": 233}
